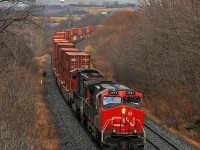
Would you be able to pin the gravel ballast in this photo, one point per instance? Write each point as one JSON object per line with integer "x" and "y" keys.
{"x": 72, "y": 135}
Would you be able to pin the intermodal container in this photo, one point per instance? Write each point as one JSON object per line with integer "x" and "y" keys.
{"x": 84, "y": 30}
{"x": 74, "y": 60}
{"x": 58, "y": 41}
{"x": 57, "y": 56}
{"x": 63, "y": 59}
{"x": 88, "y": 29}
{"x": 91, "y": 28}
{"x": 54, "y": 41}
{"x": 74, "y": 31}
{"x": 68, "y": 34}
{"x": 74, "y": 38}
{"x": 58, "y": 37}
{"x": 79, "y": 31}
{"x": 61, "y": 34}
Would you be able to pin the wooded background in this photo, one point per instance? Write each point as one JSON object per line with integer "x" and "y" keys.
{"x": 22, "y": 125}
{"x": 156, "y": 51}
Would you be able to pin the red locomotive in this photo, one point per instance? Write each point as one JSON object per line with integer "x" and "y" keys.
{"x": 111, "y": 112}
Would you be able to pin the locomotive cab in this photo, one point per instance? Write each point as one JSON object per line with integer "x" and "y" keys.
{"x": 122, "y": 115}
{"x": 116, "y": 112}
{"x": 78, "y": 92}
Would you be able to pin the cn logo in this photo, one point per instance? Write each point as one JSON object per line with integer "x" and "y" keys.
{"x": 123, "y": 120}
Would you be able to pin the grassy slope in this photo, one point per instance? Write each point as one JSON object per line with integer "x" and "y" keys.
{"x": 44, "y": 124}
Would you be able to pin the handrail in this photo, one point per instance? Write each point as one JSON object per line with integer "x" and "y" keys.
{"x": 82, "y": 99}
{"x": 143, "y": 130}
{"x": 106, "y": 124}
{"x": 85, "y": 100}
{"x": 104, "y": 128}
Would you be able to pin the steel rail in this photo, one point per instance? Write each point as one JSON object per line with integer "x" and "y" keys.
{"x": 160, "y": 136}
{"x": 152, "y": 144}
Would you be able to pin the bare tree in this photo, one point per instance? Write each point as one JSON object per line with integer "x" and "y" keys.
{"x": 156, "y": 50}
{"x": 18, "y": 80}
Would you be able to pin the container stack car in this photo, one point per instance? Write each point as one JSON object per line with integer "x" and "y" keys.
{"x": 111, "y": 112}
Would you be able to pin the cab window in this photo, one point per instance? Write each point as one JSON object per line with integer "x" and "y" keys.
{"x": 111, "y": 101}
{"x": 132, "y": 101}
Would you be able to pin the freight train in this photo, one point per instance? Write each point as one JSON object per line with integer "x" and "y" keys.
{"x": 111, "y": 112}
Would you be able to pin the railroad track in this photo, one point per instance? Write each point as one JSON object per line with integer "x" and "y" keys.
{"x": 157, "y": 140}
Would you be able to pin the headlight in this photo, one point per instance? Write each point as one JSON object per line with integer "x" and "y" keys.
{"x": 114, "y": 131}
{"x": 123, "y": 110}
{"x": 134, "y": 131}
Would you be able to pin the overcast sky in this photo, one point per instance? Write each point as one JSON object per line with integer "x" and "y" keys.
{"x": 51, "y": 2}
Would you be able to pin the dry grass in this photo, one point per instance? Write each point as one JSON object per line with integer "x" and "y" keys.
{"x": 56, "y": 19}
{"x": 42, "y": 61}
{"x": 60, "y": 19}
{"x": 44, "y": 124}
{"x": 98, "y": 63}
{"x": 96, "y": 10}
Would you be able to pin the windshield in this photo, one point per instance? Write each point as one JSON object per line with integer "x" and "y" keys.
{"x": 132, "y": 101}
{"x": 111, "y": 101}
